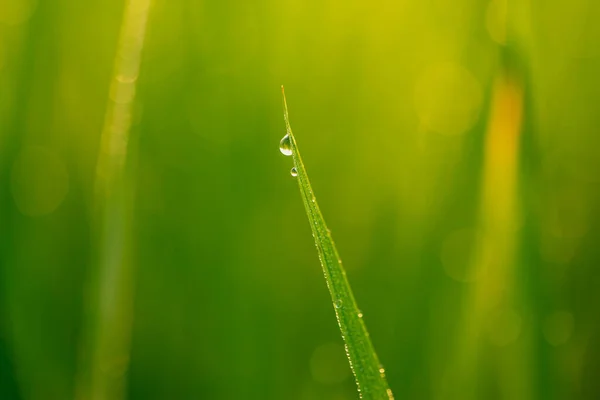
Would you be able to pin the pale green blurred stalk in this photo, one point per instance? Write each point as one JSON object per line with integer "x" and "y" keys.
{"x": 492, "y": 323}
{"x": 105, "y": 353}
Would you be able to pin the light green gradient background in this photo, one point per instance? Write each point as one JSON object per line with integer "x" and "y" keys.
{"x": 229, "y": 298}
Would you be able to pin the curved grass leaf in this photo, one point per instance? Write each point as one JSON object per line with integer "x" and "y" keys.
{"x": 368, "y": 373}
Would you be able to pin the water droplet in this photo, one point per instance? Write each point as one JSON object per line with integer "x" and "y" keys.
{"x": 294, "y": 172}
{"x": 390, "y": 394}
{"x": 382, "y": 371}
{"x": 285, "y": 146}
{"x": 337, "y": 303}
{"x": 360, "y": 314}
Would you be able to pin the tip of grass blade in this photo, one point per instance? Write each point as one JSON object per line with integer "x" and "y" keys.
{"x": 285, "y": 112}
{"x": 364, "y": 363}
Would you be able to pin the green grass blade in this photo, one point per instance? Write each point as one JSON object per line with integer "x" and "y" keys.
{"x": 368, "y": 373}
{"x": 107, "y": 341}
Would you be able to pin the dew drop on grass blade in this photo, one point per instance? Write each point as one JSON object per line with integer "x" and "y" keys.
{"x": 368, "y": 373}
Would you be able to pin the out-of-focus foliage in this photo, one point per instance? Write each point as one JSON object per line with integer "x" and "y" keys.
{"x": 453, "y": 147}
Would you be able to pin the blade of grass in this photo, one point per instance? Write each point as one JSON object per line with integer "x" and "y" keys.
{"x": 105, "y": 353}
{"x": 368, "y": 373}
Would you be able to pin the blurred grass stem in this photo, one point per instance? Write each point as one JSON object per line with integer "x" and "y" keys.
{"x": 107, "y": 351}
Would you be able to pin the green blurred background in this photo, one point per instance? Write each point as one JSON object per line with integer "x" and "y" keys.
{"x": 452, "y": 145}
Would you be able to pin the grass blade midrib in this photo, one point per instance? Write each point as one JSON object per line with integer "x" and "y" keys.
{"x": 364, "y": 362}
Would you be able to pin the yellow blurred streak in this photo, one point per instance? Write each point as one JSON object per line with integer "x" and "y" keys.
{"x": 115, "y": 134}
{"x": 16, "y": 12}
{"x": 490, "y": 316}
{"x": 500, "y": 220}
{"x": 102, "y": 375}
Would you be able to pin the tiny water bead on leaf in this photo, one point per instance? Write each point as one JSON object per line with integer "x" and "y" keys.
{"x": 294, "y": 172}
{"x": 363, "y": 360}
{"x": 285, "y": 146}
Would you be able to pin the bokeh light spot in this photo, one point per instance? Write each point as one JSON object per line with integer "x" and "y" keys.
{"x": 504, "y": 327}
{"x": 568, "y": 214}
{"x": 495, "y": 20}
{"x": 328, "y": 364}
{"x": 39, "y": 181}
{"x": 558, "y": 327}
{"x": 448, "y": 99}
{"x": 15, "y": 12}
{"x": 557, "y": 250}
{"x": 457, "y": 254}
